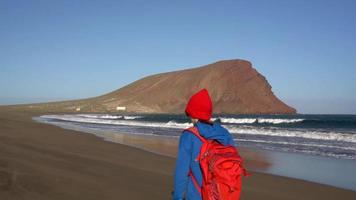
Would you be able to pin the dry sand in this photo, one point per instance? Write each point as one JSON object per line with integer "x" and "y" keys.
{"x": 40, "y": 161}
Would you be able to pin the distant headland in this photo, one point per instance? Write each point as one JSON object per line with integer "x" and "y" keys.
{"x": 234, "y": 85}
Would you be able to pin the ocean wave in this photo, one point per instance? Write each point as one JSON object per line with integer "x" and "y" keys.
{"x": 250, "y": 130}
{"x": 258, "y": 120}
{"x": 173, "y": 123}
{"x": 238, "y": 121}
{"x": 83, "y": 119}
{"x": 99, "y": 116}
{"x": 127, "y": 117}
{"x": 297, "y": 144}
{"x": 308, "y": 134}
{"x": 311, "y": 151}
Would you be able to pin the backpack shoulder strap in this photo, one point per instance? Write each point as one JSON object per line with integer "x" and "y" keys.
{"x": 195, "y": 131}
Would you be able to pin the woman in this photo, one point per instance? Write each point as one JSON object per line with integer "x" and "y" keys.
{"x": 199, "y": 109}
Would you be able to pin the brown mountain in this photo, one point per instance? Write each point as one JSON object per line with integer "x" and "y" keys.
{"x": 234, "y": 85}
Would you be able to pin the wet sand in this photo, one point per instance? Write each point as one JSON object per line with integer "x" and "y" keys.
{"x": 166, "y": 146}
{"x": 40, "y": 161}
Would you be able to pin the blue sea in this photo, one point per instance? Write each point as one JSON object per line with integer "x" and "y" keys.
{"x": 319, "y": 148}
{"x": 322, "y": 135}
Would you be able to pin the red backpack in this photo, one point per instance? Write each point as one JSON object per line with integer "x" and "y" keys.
{"x": 222, "y": 170}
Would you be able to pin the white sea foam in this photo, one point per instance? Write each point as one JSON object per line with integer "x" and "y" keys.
{"x": 258, "y": 120}
{"x": 80, "y": 118}
{"x": 238, "y": 120}
{"x": 298, "y": 144}
{"x": 279, "y": 121}
{"x": 128, "y": 117}
{"x": 132, "y": 117}
{"x": 318, "y": 135}
{"x": 178, "y": 125}
{"x": 308, "y": 134}
{"x": 100, "y": 116}
{"x": 312, "y": 151}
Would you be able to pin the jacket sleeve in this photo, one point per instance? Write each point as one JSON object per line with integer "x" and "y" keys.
{"x": 182, "y": 165}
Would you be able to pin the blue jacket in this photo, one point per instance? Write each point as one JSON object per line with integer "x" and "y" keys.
{"x": 189, "y": 147}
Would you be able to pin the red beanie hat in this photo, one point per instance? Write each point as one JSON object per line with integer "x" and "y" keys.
{"x": 200, "y": 106}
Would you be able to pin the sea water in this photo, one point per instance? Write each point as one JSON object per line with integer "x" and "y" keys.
{"x": 319, "y": 141}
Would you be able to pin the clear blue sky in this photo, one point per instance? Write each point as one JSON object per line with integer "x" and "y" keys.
{"x": 69, "y": 49}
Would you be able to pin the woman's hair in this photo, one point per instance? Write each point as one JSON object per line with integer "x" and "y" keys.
{"x": 210, "y": 122}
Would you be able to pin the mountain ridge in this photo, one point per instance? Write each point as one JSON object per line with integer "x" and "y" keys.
{"x": 234, "y": 85}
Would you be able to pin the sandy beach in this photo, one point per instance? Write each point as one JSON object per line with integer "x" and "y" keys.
{"x": 40, "y": 161}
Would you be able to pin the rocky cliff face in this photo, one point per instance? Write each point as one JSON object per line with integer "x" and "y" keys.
{"x": 234, "y": 85}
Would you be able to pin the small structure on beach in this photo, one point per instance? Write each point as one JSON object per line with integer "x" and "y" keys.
{"x": 120, "y": 108}
{"x": 77, "y": 109}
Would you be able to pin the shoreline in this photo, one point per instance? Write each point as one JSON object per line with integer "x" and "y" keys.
{"x": 162, "y": 145}
{"x": 41, "y": 161}
{"x": 306, "y": 167}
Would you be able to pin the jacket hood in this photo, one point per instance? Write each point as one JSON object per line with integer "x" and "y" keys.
{"x": 214, "y": 132}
